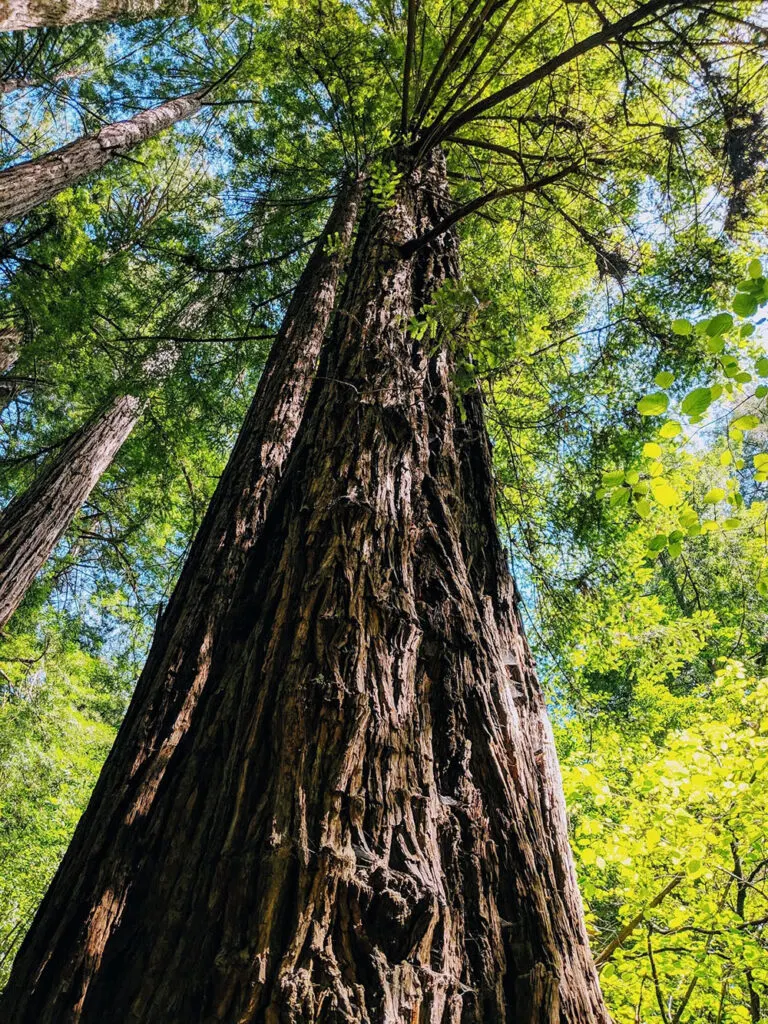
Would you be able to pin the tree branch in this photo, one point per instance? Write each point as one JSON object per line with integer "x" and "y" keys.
{"x": 466, "y": 209}
{"x": 435, "y": 133}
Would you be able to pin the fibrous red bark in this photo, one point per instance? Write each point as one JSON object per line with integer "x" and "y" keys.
{"x": 362, "y": 819}
{"x": 26, "y": 185}
{"x": 17, "y": 15}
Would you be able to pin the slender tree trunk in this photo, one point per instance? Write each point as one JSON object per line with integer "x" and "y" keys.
{"x": 10, "y": 344}
{"x": 34, "y": 522}
{"x": 10, "y": 340}
{"x": 17, "y": 15}
{"x": 362, "y": 820}
{"x": 27, "y": 185}
{"x": 9, "y": 85}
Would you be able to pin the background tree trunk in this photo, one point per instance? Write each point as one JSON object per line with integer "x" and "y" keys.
{"x": 34, "y": 522}
{"x": 10, "y": 340}
{"x": 9, "y": 85}
{"x": 27, "y": 185}
{"x": 363, "y": 819}
{"x": 17, "y": 15}
{"x": 10, "y": 345}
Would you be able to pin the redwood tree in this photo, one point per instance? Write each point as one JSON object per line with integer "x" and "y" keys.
{"x": 26, "y": 185}
{"x": 33, "y": 523}
{"x": 17, "y": 15}
{"x": 363, "y": 816}
{"x": 335, "y": 796}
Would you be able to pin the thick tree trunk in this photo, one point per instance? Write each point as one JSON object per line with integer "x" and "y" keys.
{"x": 34, "y": 522}
{"x": 27, "y": 185}
{"x": 178, "y": 663}
{"x": 362, "y": 820}
{"x": 17, "y": 15}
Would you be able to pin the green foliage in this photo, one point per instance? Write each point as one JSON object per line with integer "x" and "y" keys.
{"x": 59, "y": 711}
{"x": 670, "y": 839}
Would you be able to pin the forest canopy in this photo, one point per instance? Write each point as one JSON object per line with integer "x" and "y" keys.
{"x": 344, "y": 345}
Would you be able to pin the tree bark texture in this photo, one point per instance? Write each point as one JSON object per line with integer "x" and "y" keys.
{"x": 179, "y": 660}
{"x": 18, "y": 15}
{"x": 9, "y": 85}
{"x": 10, "y": 345}
{"x": 34, "y": 522}
{"x": 10, "y": 340}
{"x": 27, "y": 185}
{"x": 363, "y": 819}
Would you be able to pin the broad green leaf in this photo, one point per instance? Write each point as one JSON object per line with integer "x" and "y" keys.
{"x": 719, "y": 324}
{"x": 653, "y": 405}
{"x": 697, "y": 401}
{"x": 748, "y": 422}
{"x": 665, "y": 493}
{"x": 651, "y": 450}
{"x": 744, "y": 304}
{"x": 682, "y": 326}
{"x": 714, "y": 495}
{"x": 670, "y": 429}
{"x": 664, "y": 379}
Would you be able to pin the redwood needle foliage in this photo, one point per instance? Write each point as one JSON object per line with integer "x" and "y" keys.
{"x": 381, "y": 408}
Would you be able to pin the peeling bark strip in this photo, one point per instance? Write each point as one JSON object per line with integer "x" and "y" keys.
{"x": 363, "y": 820}
{"x": 33, "y": 523}
{"x": 27, "y": 185}
{"x": 17, "y": 15}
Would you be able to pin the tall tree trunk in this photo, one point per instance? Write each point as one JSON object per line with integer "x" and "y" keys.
{"x": 9, "y": 85}
{"x": 10, "y": 344}
{"x": 17, "y": 15}
{"x": 34, "y": 522}
{"x": 10, "y": 339}
{"x": 362, "y": 820}
{"x": 27, "y": 185}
